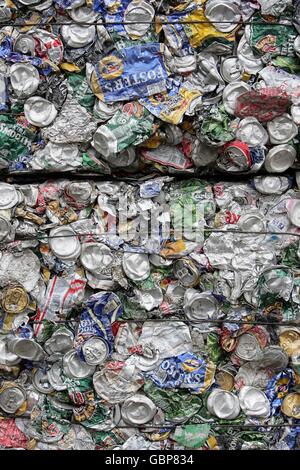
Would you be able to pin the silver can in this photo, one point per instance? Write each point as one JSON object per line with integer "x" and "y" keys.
{"x": 39, "y": 112}
{"x": 43, "y": 5}
{"x": 64, "y": 243}
{"x": 158, "y": 261}
{"x": 271, "y": 184}
{"x": 26, "y": 349}
{"x": 169, "y": 339}
{"x": 78, "y": 194}
{"x": 29, "y": 3}
{"x": 76, "y": 35}
{"x": 229, "y": 11}
{"x": 54, "y": 377}
{"x": 280, "y": 158}
{"x": 203, "y": 155}
{"x": 56, "y": 156}
{"x": 104, "y": 111}
{"x": 282, "y": 129}
{"x": 248, "y": 348}
{"x": 223, "y": 404}
{"x": 75, "y": 368}
{"x": 136, "y": 266}
{"x": 278, "y": 280}
{"x": 186, "y": 272}
{"x": 126, "y": 159}
{"x": 12, "y": 397}
{"x": 231, "y": 93}
{"x": 183, "y": 65}
{"x": 8, "y": 196}
{"x": 254, "y": 402}
{"x": 294, "y": 213}
{"x": 297, "y": 45}
{"x": 41, "y": 382}
{"x": 97, "y": 258}
{"x": 59, "y": 344}
{"x": 138, "y": 410}
{"x": 251, "y": 131}
{"x": 140, "y": 14}
{"x": 6, "y": 230}
{"x": 252, "y": 63}
{"x": 251, "y": 375}
{"x": 24, "y": 44}
{"x": 116, "y": 386}
{"x": 295, "y": 113}
{"x": 6, "y": 356}
{"x": 200, "y": 306}
{"x": 21, "y": 267}
{"x": 24, "y": 79}
{"x": 84, "y": 14}
{"x": 274, "y": 357}
{"x": 5, "y": 12}
{"x": 95, "y": 351}
{"x": 252, "y": 221}
{"x": 231, "y": 69}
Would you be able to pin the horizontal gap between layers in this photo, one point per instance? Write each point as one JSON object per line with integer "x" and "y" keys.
{"x": 104, "y": 237}
{"x": 214, "y": 424}
{"x": 128, "y": 23}
{"x": 181, "y": 320}
{"x": 37, "y": 176}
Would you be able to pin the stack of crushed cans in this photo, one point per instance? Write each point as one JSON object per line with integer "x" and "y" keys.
{"x": 150, "y": 292}
{"x": 135, "y": 86}
{"x": 123, "y": 328}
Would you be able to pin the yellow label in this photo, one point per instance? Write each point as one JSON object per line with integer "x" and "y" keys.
{"x": 46, "y": 274}
{"x": 290, "y": 341}
{"x": 111, "y": 67}
{"x": 69, "y": 67}
{"x": 173, "y": 248}
{"x": 153, "y": 142}
{"x": 198, "y": 32}
{"x": 174, "y": 113}
{"x": 212, "y": 443}
{"x": 95, "y": 86}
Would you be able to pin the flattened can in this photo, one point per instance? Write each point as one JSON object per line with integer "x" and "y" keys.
{"x": 41, "y": 382}
{"x": 94, "y": 339}
{"x": 39, "y": 112}
{"x": 223, "y": 404}
{"x": 27, "y": 349}
{"x": 78, "y": 194}
{"x": 235, "y": 157}
{"x": 290, "y": 405}
{"x": 64, "y": 243}
{"x": 225, "y": 377}
{"x": 60, "y": 342}
{"x": 248, "y": 348}
{"x": 254, "y": 402}
{"x": 136, "y": 266}
{"x": 231, "y": 69}
{"x": 138, "y": 17}
{"x": 24, "y": 44}
{"x": 12, "y": 397}
{"x": 138, "y": 409}
{"x": 186, "y": 272}
{"x": 15, "y": 299}
{"x": 24, "y": 79}
{"x": 75, "y": 368}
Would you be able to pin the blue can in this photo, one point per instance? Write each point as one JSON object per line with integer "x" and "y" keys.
{"x": 185, "y": 371}
{"x": 94, "y": 339}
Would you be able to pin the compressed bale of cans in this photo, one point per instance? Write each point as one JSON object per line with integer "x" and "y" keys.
{"x": 152, "y": 303}
{"x": 122, "y": 328}
{"x": 131, "y": 86}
